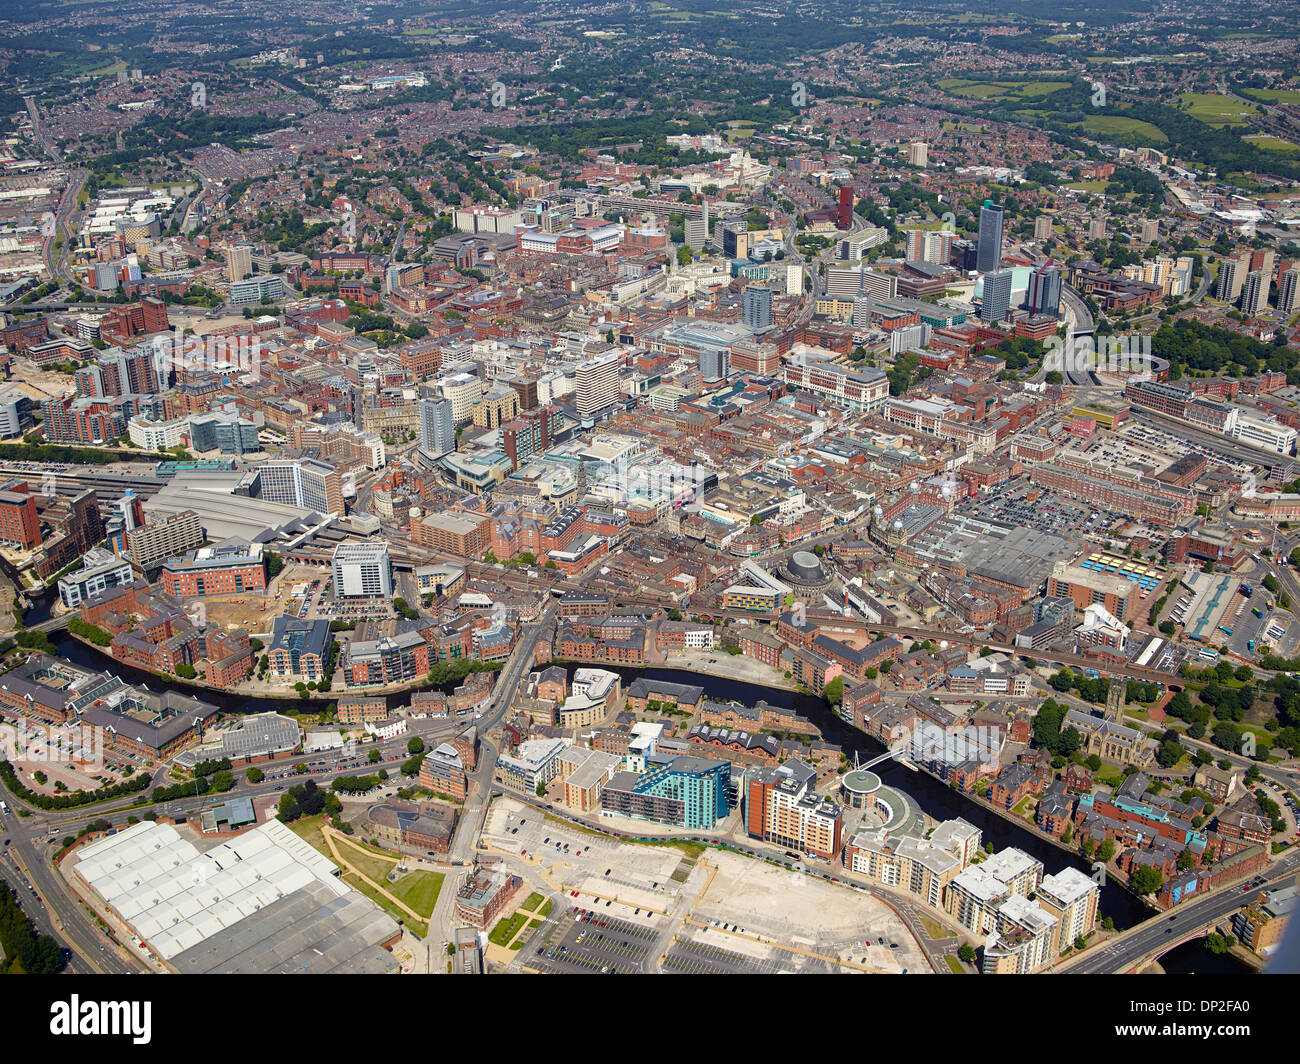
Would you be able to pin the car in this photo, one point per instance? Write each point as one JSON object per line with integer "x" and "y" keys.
{"x": 880, "y": 942}
{"x": 608, "y": 871}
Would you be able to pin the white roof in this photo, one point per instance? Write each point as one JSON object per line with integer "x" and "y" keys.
{"x": 174, "y": 897}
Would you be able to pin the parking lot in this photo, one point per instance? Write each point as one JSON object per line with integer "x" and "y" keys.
{"x": 584, "y": 940}
{"x": 631, "y": 881}
{"x": 699, "y": 958}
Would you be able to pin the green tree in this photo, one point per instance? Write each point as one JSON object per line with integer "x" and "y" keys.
{"x": 255, "y": 775}
{"x": 834, "y": 691}
{"x": 1147, "y": 880}
{"x": 966, "y": 953}
{"x": 374, "y": 756}
{"x": 541, "y": 789}
{"x": 415, "y": 745}
{"x": 223, "y": 780}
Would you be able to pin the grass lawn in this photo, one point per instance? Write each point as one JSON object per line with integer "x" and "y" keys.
{"x": 1022, "y": 807}
{"x": 506, "y": 928}
{"x": 531, "y": 902}
{"x": 421, "y": 928}
{"x": 934, "y": 929}
{"x": 533, "y": 925}
{"x": 308, "y": 828}
{"x": 957, "y": 967}
{"x": 418, "y": 889}
{"x": 1088, "y": 186}
{"x": 370, "y": 866}
{"x": 546, "y": 908}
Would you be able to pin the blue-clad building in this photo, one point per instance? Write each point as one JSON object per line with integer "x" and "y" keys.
{"x": 688, "y": 792}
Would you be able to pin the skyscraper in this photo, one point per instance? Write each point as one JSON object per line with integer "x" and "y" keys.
{"x": 715, "y": 362}
{"x": 437, "y": 427}
{"x": 845, "y": 220}
{"x": 756, "y": 308}
{"x": 596, "y": 383}
{"x": 1043, "y": 227}
{"x": 918, "y": 153}
{"x": 1254, "y": 293}
{"x": 239, "y": 262}
{"x": 997, "y": 295}
{"x": 990, "y": 245}
{"x": 1288, "y": 290}
{"x": 1043, "y": 296}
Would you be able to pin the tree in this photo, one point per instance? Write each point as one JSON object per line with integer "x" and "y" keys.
{"x": 834, "y": 691}
{"x": 541, "y": 789}
{"x": 1147, "y": 880}
{"x": 255, "y": 775}
{"x": 374, "y": 756}
{"x": 186, "y": 672}
{"x": 1106, "y": 850}
{"x": 223, "y": 780}
{"x": 966, "y": 954}
{"x": 289, "y": 809}
{"x": 415, "y": 745}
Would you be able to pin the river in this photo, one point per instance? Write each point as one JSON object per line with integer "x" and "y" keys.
{"x": 934, "y": 797}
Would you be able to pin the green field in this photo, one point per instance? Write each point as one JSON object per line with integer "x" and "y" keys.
{"x": 1111, "y": 125}
{"x": 1266, "y": 143}
{"x": 1289, "y": 96}
{"x": 1088, "y": 186}
{"x": 1216, "y": 110}
{"x": 1001, "y": 90}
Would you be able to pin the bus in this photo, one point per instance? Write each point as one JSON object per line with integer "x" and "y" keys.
{"x": 4, "y": 809}
{"x": 1250, "y": 645}
{"x": 1225, "y": 630}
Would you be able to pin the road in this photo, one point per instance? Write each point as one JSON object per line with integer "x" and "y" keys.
{"x": 1164, "y": 929}
{"x": 470, "y": 824}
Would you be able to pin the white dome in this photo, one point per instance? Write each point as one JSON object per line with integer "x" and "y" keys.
{"x": 898, "y": 526}
{"x": 415, "y": 511}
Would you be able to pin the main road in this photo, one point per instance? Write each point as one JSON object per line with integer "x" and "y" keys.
{"x": 1166, "y": 930}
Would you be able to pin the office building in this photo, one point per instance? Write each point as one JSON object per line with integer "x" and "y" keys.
{"x": 239, "y": 262}
{"x": 16, "y": 414}
{"x": 362, "y": 570}
{"x": 1288, "y": 292}
{"x": 697, "y": 233}
{"x": 308, "y": 483}
{"x": 300, "y": 650}
{"x": 596, "y": 383}
{"x": 756, "y": 307}
{"x": 256, "y": 290}
{"x": 227, "y": 433}
{"x": 989, "y": 255}
{"x": 997, "y": 296}
{"x": 99, "y": 572}
{"x": 230, "y": 567}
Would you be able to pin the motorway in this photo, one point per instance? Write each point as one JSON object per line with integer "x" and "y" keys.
{"x": 1165, "y": 930}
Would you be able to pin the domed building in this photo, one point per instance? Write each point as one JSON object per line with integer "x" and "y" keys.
{"x": 806, "y": 569}
{"x": 859, "y": 788}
